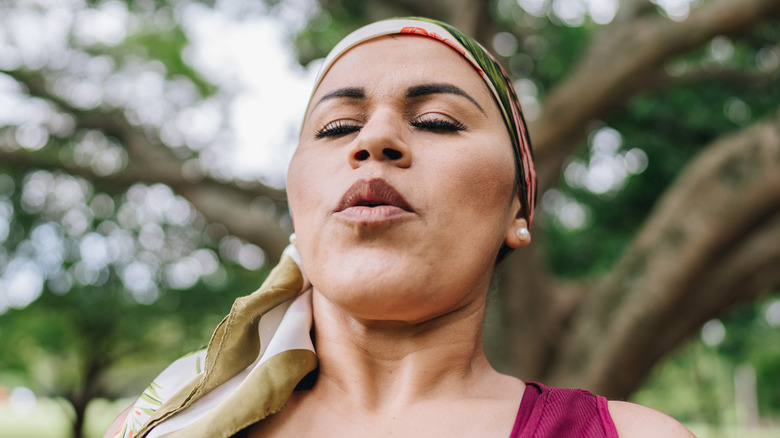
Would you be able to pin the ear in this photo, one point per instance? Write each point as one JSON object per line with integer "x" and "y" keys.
{"x": 517, "y": 235}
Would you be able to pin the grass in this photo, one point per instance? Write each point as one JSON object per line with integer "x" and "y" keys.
{"x": 51, "y": 418}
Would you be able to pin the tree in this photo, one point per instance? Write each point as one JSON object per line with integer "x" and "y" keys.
{"x": 626, "y": 264}
{"x": 105, "y": 277}
{"x": 93, "y": 342}
{"x": 102, "y": 326}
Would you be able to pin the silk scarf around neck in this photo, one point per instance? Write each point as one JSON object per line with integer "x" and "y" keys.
{"x": 256, "y": 357}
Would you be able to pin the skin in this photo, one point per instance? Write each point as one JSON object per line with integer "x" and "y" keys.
{"x": 399, "y": 296}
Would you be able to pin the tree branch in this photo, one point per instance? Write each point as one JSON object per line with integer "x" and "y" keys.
{"x": 631, "y": 9}
{"x": 150, "y": 162}
{"x": 660, "y": 80}
{"x": 603, "y": 78}
{"x": 724, "y": 206}
{"x": 473, "y": 18}
{"x": 470, "y": 16}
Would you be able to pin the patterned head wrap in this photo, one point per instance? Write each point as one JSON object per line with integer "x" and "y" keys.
{"x": 488, "y": 69}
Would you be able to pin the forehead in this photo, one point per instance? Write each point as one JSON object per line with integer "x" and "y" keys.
{"x": 386, "y": 62}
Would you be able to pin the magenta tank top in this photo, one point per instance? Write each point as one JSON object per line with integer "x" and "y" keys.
{"x": 562, "y": 413}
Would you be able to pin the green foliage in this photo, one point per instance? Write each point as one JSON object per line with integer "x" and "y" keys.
{"x": 167, "y": 45}
{"x": 696, "y": 384}
{"x": 333, "y": 21}
{"x": 57, "y": 341}
{"x": 751, "y": 339}
{"x": 564, "y": 47}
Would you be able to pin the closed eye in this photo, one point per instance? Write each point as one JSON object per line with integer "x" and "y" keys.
{"x": 437, "y": 124}
{"x": 338, "y": 128}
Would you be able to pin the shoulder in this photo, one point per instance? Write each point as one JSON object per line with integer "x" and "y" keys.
{"x": 636, "y": 421}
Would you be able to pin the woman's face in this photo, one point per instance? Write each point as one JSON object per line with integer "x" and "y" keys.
{"x": 401, "y": 188}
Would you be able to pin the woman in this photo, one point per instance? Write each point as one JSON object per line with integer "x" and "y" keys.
{"x": 412, "y": 178}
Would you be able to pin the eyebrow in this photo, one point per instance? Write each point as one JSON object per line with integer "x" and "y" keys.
{"x": 348, "y": 92}
{"x": 427, "y": 89}
{"x": 411, "y": 93}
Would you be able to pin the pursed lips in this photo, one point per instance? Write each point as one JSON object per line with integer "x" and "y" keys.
{"x": 372, "y": 201}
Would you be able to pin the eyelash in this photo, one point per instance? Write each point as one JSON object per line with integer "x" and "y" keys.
{"x": 344, "y": 127}
{"x": 337, "y": 129}
{"x": 438, "y": 125}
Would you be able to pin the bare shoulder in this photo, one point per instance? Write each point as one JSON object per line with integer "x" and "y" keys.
{"x": 636, "y": 421}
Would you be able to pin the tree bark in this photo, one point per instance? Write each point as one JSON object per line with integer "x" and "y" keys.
{"x": 710, "y": 243}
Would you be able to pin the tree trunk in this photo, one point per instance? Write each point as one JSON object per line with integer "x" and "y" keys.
{"x": 80, "y": 409}
{"x": 94, "y": 367}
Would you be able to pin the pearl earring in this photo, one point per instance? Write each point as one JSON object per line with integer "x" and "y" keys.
{"x": 523, "y": 233}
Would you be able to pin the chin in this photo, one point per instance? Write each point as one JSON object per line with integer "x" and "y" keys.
{"x": 409, "y": 296}
{"x": 385, "y": 307}
{"x": 396, "y": 279}
{"x": 373, "y": 291}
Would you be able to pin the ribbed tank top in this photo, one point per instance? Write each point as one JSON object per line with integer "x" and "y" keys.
{"x": 562, "y": 413}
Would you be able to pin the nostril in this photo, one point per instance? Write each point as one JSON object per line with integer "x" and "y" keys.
{"x": 362, "y": 155}
{"x": 392, "y": 154}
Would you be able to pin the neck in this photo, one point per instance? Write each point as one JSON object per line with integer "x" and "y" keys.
{"x": 382, "y": 365}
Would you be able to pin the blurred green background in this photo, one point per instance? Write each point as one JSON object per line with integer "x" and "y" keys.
{"x": 143, "y": 146}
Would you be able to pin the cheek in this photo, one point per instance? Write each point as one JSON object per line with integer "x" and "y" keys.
{"x": 485, "y": 181}
{"x": 301, "y": 190}
{"x": 476, "y": 187}
{"x": 312, "y": 192}
{"x": 294, "y": 188}
{"x": 300, "y": 196}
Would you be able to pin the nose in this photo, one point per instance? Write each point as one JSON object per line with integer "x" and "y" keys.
{"x": 381, "y": 139}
